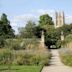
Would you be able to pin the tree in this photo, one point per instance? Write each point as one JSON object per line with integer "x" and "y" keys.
{"x": 45, "y": 20}
{"x": 46, "y": 24}
{"x": 6, "y": 30}
{"x": 66, "y": 28}
{"x": 5, "y": 27}
{"x": 28, "y": 31}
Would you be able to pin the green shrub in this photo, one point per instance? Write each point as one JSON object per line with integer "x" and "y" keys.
{"x": 31, "y": 58}
{"x": 13, "y": 44}
{"x": 24, "y": 52}
{"x": 58, "y": 44}
{"x": 67, "y": 42}
{"x": 24, "y": 57}
{"x": 30, "y": 43}
{"x": 2, "y": 41}
{"x": 66, "y": 56}
{"x": 5, "y": 56}
{"x": 22, "y": 44}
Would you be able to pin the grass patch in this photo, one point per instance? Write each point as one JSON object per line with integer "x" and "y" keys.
{"x": 22, "y": 68}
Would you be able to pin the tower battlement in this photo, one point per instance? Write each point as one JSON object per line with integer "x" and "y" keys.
{"x": 60, "y": 19}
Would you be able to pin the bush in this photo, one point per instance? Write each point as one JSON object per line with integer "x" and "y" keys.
{"x": 5, "y": 56}
{"x": 30, "y": 43}
{"x": 67, "y": 43}
{"x": 2, "y": 41}
{"x": 24, "y": 52}
{"x": 13, "y": 44}
{"x": 22, "y": 44}
{"x": 66, "y": 56}
{"x": 24, "y": 57}
{"x": 58, "y": 44}
{"x": 31, "y": 58}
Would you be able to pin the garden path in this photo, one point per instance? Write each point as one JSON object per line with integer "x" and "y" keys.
{"x": 55, "y": 64}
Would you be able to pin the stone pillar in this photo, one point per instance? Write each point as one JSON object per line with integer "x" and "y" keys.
{"x": 62, "y": 36}
{"x": 42, "y": 41}
{"x": 42, "y": 37}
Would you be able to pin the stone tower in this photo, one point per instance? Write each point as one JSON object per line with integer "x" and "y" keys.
{"x": 59, "y": 19}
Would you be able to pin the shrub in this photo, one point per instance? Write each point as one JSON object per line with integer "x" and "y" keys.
{"x": 58, "y": 44}
{"x": 22, "y": 44}
{"x": 2, "y": 42}
{"x": 5, "y": 56}
{"x": 66, "y": 56}
{"x": 67, "y": 43}
{"x": 24, "y": 52}
{"x": 13, "y": 44}
{"x": 30, "y": 43}
{"x": 30, "y": 57}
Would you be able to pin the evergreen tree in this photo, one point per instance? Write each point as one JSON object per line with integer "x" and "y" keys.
{"x": 5, "y": 27}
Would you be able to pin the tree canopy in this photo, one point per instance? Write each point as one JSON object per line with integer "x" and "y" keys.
{"x": 52, "y": 35}
{"x": 28, "y": 31}
{"x": 5, "y": 27}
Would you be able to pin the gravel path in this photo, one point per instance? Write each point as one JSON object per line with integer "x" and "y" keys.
{"x": 55, "y": 64}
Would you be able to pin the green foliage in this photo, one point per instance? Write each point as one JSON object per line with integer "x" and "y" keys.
{"x": 45, "y": 20}
{"x": 24, "y": 57}
{"x": 66, "y": 56}
{"x": 28, "y": 31}
{"x": 51, "y": 37}
{"x": 66, "y": 28}
{"x": 6, "y": 30}
{"x": 51, "y": 34}
{"x": 22, "y": 44}
{"x": 26, "y": 52}
{"x": 2, "y": 42}
{"x": 5, "y": 27}
{"x": 67, "y": 40}
{"x": 5, "y": 56}
{"x": 31, "y": 57}
{"x": 13, "y": 44}
{"x": 58, "y": 44}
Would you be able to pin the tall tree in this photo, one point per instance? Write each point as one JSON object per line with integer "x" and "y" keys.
{"x": 28, "y": 31}
{"x": 5, "y": 27}
{"x": 45, "y": 20}
{"x": 47, "y": 25}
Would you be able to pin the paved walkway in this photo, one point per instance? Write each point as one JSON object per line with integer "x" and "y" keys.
{"x": 55, "y": 64}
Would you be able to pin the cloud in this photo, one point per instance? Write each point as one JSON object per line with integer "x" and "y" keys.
{"x": 44, "y": 11}
{"x": 68, "y": 19}
{"x": 21, "y": 20}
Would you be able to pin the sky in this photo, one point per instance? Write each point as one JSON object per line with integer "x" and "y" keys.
{"x": 20, "y": 11}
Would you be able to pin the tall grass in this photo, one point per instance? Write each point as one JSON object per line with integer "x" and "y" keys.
{"x": 66, "y": 56}
{"x": 67, "y": 43}
{"x": 25, "y": 52}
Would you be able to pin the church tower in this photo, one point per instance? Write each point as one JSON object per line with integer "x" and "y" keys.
{"x": 59, "y": 19}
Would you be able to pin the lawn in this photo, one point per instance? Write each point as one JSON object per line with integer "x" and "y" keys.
{"x": 4, "y": 68}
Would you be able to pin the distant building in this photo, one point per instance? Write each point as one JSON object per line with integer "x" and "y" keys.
{"x": 60, "y": 19}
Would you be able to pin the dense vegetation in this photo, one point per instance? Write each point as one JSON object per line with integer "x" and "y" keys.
{"x": 66, "y": 56}
{"x": 66, "y": 51}
{"x": 6, "y": 30}
{"x": 24, "y": 48}
{"x": 24, "y": 52}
